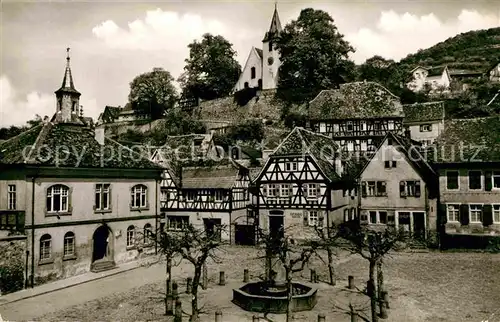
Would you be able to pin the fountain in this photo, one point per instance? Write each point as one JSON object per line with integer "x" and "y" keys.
{"x": 271, "y": 296}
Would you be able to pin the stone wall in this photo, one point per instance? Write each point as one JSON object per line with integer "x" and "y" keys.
{"x": 12, "y": 263}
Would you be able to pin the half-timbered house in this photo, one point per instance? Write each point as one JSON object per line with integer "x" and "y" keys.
{"x": 300, "y": 186}
{"x": 399, "y": 188}
{"x": 357, "y": 115}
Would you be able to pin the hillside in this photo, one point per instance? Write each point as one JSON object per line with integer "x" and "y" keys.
{"x": 473, "y": 50}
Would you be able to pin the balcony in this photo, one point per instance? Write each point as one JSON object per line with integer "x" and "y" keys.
{"x": 12, "y": 220}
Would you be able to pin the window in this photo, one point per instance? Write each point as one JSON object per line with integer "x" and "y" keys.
{"x": 190, "y": 195}
{"x": 496, "y": 179}
{"x": 374, "y": 188}
{"x": 177, "y": 222}
{"x": 148, "y": 234}
{"x": 350, "y": 146}
{"x": 353, "y": 213}
{"x": 425, "y": 127}
{"x": 312, "y": 191}
{"x": 102, "y": 197}
{"x": 273, "y": 190}
{"x": 291, "y": 166}
{"x": 382, "y": 216}
{"x": 409, "y": 189}
{"x": 475, "y": 180}
{"x": 350, "y": 127}
{"x": 73, "y": 107}
{"x": 453, "y": 213}
{"x": 246, "y": 85}
{"x": 45, "y": 247}
{"x": 11, "y": 191}
{"x": 139, "y": 196}
{"x": 381, "y": 188}
{"x": 130, "y": 236}
{"x": 270, "y": 46}
{"x": 219, "y": 195}
{"x": 252, "y": 72}
{"x": 285, "y": 190}
{"x": 389, "y": 141}
{"x": 322, "y": 127}
{"x": 496, "y": 214}
{"x": 313, "y": 218}
{"x": 377, "y": 217}
{"x": 390, "y": 164}
{"x": 475, "y": 213}
{"x": 373, "y": 217}
{"x": 452, "y": 180}
{"x": 346, "y": 215}
{"x": 390, "y": 125}
{"x": 57, "y": 198}
{"x": 69, "y": 244}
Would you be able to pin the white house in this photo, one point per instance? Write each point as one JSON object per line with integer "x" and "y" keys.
{"x": 261, "y": 67}
{"x": 436, "y": 78}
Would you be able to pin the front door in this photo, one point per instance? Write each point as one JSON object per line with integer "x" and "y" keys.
{"x": 419, "y": 225}
{"x": 211, "y": 225}
{"x": 276, "y": 226}
{"x": 101, "y": 239}
{"x": 404, "y": 222}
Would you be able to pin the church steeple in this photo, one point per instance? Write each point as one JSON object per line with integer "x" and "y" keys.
{"x": 275, "y": 28}
{"x": 68, "y": 97}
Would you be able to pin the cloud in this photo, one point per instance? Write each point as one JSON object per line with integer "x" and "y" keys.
{"x": 16, "y": 109}
{"x": 397, "y": 35}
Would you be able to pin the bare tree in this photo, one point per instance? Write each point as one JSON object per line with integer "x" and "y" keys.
{"x": 329, "y": 241}
{"x": 374, "y": 245}
{"x": 293, "y": 258}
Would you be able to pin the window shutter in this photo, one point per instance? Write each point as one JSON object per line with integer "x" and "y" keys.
{"x": 487, "y": 181}
{"x": 417, "y": 189}
{"x": 264, "y": 190}
{"x": 487, "y": 215}
{"x": 70, "y": 197}
{"x": 464, "y": 214}
{"x": 318, "y": 191}
{"x": 110, "y": 198}
{"x": 442, "y": 214}
{"x": 387, "y": 164}
{"x": 306, "y": 219}
{"x": 363, "y": 189}
{"x": 402, "y": 189}
{"x": 363, "y": 218}
{"x": 321, "y": 218}
{"x": 346, "y": 215}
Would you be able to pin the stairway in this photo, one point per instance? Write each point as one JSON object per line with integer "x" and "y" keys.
{"x": 102, "y": 265}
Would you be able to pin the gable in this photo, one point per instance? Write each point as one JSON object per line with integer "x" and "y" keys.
{"x": 253, "y": 60}
{"x": 302, "y": 168}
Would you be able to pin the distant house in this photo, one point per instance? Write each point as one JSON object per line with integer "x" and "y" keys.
{"x": 118, "y": 114}
{"x": 357, "y": 115}
{"x": 462, "y": 77}
{"x": 494, "y": 73}
{"x": 424, "y": 121}
{"x": 467, "y": 159}
{"x": 436, "y": 79}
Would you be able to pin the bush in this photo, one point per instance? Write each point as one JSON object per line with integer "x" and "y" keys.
{"x": 11, "y": 278}
{"x": 494, "y": 245}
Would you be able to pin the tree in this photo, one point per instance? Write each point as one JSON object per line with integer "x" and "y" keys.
{"x": 175, "y": 122}
{"x": 328, "y": 241}
{"x": 153, "y": 93}
{"x": 9, "y": 132}
{"x": 211, "y": 69}
{"x": 314, "y": 56}
{"x": 373, "y": 246}
{"x": 377, "y": 69}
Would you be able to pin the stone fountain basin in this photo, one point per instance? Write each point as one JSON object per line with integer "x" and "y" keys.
{"x": 254, "y": 297}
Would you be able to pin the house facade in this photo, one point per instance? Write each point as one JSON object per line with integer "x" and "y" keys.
{"x": 424, "y": 121}
{"x": 468, "y": 164}
{"x": 494, "y": 73}
{"x": 435, "y": 79}
{"x": 262, "y": 65}
{"x": 357, "y": 115}
{"x": 399, "y": 189}
{"x": 85, "y": 202}
{"x": 300, "y": 187}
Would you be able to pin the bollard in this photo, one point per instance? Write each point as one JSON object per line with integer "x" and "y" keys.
{"x": 313, "y": 274}
{"x": 168, "y": 286}
{"x": 169, "y": 304}
{"x": 255, "y": 318}
{"x": 204, "y": 282}
{"x": 245, "y": 276}
{"x": 354, "y": 316}
{"x": 178, "y": 311}
{"x": 321, "y": 317}
{"x": 316, "y": 277}
{"x": 370, "y": 288}
{"x": 189, "y": 282}
{"x": 350, "y": 284}
{"x": 383, "y": 310}
{"x": 222, "y": 278}
{"x": 218, "y": 316}
{"x": 175, "y": 290}
{"x": 385, "y": 298}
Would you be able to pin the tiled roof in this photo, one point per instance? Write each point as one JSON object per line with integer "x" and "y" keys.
{"x": 421, "y": 112}
{"x": 69, "y": 145}
{"x": 468, "y": 140}
{"x": 465, "y": 72}
{"x": 320, "y": 147}
{"x": 273, "y": 137}
{"x": 217, "y": 177}
{"x": 355, "y": 100}
{"x": 259, "y": 52}
{"x": 435, "y": 71}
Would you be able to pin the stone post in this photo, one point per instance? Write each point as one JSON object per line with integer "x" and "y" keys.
{"x": 189, "y": 282}
{"x": 350, "y": 282}
{"x": 178, "y": 311}
{"x": 383, "y": 310}
{"x": 354, "y": 316}
{"x": 255, "y": 318}
{"x": 245, "y": 276}
{"x": 321, "y": 317}
{"x": 175, "y": 290}
{"x": 222, "y": 278}
{"x": 313, "y": 274}
{"x": 169, "y": 304}
{"x": 385, "y": 298}
{"x": 218, "y": 316}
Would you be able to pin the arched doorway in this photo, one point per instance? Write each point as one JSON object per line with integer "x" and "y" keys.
{"x": 102, "y": 249}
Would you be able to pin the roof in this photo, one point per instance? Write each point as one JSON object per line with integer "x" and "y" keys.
{"x": 435, "y": 71}
{"x": 355, "y": 100}
{"x": 275, "y": 27}
{"x": 217, "y": 177}
{"x": 322, "y": 148}
{"x": 69, "y": 145}
{"x": 67, "y": 83}
{"x": 259, "y": 52}
{"x": 465, "y": 72}
{"x": 423, "y": 112}
{"x": 468, "y": 140}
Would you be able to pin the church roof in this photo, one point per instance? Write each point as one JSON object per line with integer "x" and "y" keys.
{"x": 357, "y": 100}
{"x": 259, "y": 52}
{"x": 275, "y": 27}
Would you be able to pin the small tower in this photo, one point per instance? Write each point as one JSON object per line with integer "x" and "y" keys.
{"x": 68, "y": 98}
{"x": 270, "y": 57}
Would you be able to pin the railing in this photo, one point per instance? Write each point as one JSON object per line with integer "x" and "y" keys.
{"x": 12, "y": 220}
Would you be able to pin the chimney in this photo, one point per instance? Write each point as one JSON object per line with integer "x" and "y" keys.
{"x": 99, "y": 135}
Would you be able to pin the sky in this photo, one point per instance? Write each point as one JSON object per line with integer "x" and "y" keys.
{"x": 113, "y": 41}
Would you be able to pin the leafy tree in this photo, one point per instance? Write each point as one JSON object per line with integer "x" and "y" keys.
{"x": 377, "y": 69}
{"x": 175, "y": 122}
{"x": 11, "y": 131}
{"x": 314, "y": 56}
{"x": 211, "y": 69}
{"x": 153, "y": 93}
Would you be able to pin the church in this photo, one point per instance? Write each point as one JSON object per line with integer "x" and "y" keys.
{"x": 262, "y": 65}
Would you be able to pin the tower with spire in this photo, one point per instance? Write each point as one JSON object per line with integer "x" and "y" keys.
{"x": 262, "y": 65}
{"x": 68, "y": 98}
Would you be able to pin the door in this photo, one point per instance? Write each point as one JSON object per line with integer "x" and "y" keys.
{"x": 211, "y": 227}
{"x": 419, "y": 225}
{"x": 244, "y": 234}
{"x": 276, "y": 226}
{"x": 404, "y": 221}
